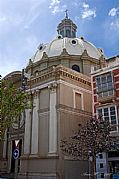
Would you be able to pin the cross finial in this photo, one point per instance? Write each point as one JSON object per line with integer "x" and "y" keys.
{"x": 66, "y": 14}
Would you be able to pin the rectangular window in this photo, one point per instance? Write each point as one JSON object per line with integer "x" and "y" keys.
{"x": 78, "y": 101}
{"x": 104, "y": 85}
{"x": 102, "y": 175}
{"x": 101, "y": 165}
{"x": 100, "y": 156}
{"x": 109, "y": 113}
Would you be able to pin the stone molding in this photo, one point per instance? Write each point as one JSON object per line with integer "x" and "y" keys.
{"x": 65, "y": 108}
{"x": 58, "y": 72}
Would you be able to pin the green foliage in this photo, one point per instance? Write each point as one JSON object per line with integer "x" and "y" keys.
{"x": 13, "y": 102}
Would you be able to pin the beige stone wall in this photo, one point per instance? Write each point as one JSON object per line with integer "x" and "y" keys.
{"x": 43, "y": 121}
{"x": 38, "y": 165}
{"x": 44, "y": 99}
{"x": 67, "y": 97}
{"x": 43, "y": 133}
{"x": 65, "y": 62}
{"x": 86, "y": 67}
{"x": 87, "y": 102}
{"x": 69, "y": 121}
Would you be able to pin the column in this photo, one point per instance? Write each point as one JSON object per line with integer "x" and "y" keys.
{"x": 52, "y": 120}
{"x": 35, "y": 119}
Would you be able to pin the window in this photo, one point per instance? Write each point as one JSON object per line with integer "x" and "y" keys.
{"x": 68, "y": 33}
{"x": 109, "y": 113}
{"x": 100, "y": 156}
{"x": 36, "y": 73}
{"x": 76, "y": 68}
{"x": 102, "y": 175}
{"x": 101, "y": 165}
{"x": 73, "y": 34}
{"x": 74, "y": 42}
{"x": 78, "y": 101}
{"x": 62, "y": 33}
{"x": 104, "y": 84}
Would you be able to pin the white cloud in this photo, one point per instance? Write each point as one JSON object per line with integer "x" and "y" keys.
{"x": 113, "y": 12}
{"x": 86, "y": 6}
{"x": 54, "y": 2}
{"x": 114, "y": 21}
{"x": 87, "y": 12}
{"x": 115, "y": 24}
{"x": 56, "y": 7}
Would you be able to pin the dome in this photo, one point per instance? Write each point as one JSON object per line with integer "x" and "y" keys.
{"x": 74, "y": 46}
{"x": 67, "y": 40}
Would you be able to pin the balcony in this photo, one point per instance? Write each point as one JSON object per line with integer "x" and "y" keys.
{"x": 106, "y": 96}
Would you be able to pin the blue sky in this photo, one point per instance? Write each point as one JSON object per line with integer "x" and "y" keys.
{"x": 24, "y": 24}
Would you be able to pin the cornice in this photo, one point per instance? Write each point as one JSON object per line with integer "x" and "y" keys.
{"x": 69, "y": 109}
{"x": 59, "y": 72}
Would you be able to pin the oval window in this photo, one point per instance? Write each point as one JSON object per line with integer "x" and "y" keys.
{"x": 59, "y": 36}
{"x": 74, "y": 42}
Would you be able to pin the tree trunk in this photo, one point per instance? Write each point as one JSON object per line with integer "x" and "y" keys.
{"x": 93, "y": 168}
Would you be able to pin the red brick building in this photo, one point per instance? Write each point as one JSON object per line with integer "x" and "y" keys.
{"x": 105, "y": 86}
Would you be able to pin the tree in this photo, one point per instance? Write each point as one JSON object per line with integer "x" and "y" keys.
{"x": 13, "y": 101}
{"x": 89, "y": 140}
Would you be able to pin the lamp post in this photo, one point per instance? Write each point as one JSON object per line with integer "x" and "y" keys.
{"x": 17, "y": 144}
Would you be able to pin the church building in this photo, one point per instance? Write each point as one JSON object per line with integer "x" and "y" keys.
{"x": 60, "y": 87}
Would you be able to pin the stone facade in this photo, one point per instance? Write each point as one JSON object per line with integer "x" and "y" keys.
{"x": 61, "y": 96}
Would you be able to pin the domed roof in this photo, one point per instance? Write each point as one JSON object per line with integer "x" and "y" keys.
{"x": 66, "y": 39}
{"x": 74, "y": 46}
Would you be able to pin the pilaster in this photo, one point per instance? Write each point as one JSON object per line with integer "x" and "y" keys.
{"x": 52, "y": 148}
{"x": 35, "y": 119}
{"x": 27, "y": 135}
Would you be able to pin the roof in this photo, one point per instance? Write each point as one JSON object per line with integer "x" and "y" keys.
{"x": 74, "y": 46}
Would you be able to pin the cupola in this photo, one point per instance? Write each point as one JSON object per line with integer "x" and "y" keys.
{"x": 67, "y": 28}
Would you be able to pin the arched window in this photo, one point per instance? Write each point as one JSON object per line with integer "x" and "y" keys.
{"x": 68, "y": 33}
{"x": 36, "y": 73}
{"x": 76, "y": 68}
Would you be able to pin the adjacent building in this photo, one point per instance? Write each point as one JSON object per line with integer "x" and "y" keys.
{"x": 105, "y": 85}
